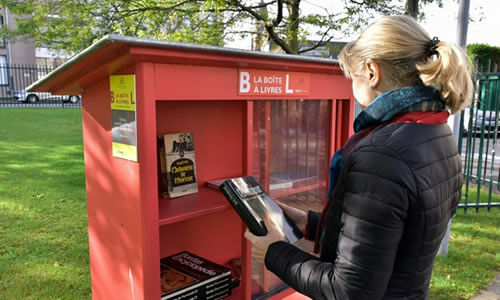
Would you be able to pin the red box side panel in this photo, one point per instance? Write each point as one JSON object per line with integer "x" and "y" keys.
{"x": 113, "y": 204}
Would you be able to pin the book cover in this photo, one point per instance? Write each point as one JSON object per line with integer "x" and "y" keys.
{"x": 173, "y": 280}
{"x": 185, "y": 274}
{"x": 253, "y": 204}
{"x": 179, "y": 165}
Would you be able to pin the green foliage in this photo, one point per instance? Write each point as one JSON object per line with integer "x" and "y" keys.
{"x": 484, "y": 55}
{"x": 72, "y": 25}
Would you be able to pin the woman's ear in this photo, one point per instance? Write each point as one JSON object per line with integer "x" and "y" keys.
{"x": 374, "y": 73}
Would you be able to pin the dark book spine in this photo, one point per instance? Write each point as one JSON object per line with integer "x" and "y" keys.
{"x": 219, "y": 295}
{"x": 236, "y": 202}
{"x": 215, "y": 287}
{"x": 211, "y": 290}
{"x": 187, "y": 295}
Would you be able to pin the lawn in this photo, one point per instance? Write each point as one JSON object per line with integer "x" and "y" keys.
{"x": 43, "y": 217}
{"x": 43, "y": 214}
{"x": 474, "y": 255}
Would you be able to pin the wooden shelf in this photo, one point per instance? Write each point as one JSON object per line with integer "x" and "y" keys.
{"x": 205, "y": 201}
{"x": 275, "y": 194}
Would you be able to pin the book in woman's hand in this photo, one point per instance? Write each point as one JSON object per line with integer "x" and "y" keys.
{"x": 253, "y": 204}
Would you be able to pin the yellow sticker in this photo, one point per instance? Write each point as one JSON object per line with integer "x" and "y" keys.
{"x": 122, "y": 89}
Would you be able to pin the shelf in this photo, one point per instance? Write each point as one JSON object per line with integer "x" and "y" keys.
{"x": 278, "y": 193}
{"x": 205, "y": 201}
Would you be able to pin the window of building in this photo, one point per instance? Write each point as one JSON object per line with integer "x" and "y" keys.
{"x": 4, "y": 74}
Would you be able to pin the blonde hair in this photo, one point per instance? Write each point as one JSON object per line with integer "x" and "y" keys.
{"x": 401, "y": 47}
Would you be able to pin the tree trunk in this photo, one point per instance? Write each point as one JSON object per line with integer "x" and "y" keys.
{"x": 293, "y": 26}
{"x": 412, "y": 8}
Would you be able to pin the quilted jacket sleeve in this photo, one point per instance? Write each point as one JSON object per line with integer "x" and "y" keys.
{"x": 378, "y": 188}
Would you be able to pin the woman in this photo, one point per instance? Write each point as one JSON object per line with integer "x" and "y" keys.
{"x": 396, "y": 182}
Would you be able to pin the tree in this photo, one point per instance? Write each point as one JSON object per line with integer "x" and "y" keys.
{"x": 486, "y": 58}
{"x": 412, "y": 7}
{"x": 72, "y": 25}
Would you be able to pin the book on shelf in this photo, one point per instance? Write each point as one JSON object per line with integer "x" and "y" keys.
{"x": 178, "y": 165}
{"x": 216, "y": 183}
{"x": 235, "y": 266}
{"x": 280, "y": 181}
{"x": 187, "y": 276}
{"x": 253, "y": 204}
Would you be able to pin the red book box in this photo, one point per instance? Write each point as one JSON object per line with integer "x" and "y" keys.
{"x": 277, "y": 117}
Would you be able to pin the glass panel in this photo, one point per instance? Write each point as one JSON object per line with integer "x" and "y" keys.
{"x": 290, "y": 160}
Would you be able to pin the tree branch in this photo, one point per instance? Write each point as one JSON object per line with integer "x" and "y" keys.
{"x": 318, "y": 44}
{"x": 274, "y": 36}
{"x": 279, "y": 17}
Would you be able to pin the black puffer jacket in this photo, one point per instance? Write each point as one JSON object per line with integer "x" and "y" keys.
{"x": 397, "y": 190}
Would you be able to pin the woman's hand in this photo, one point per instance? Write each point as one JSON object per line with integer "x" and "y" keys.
{"x": 261, "y": 243}
{"x": 299, "y": 217}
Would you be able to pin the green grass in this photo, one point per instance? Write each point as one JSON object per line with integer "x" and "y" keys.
{"x": 474, "y": 252}
{"x": 43, "y": 217}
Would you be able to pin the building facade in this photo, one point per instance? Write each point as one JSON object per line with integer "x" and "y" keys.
{"x": 18, "y": 52}
{"x": 21, "y": 63}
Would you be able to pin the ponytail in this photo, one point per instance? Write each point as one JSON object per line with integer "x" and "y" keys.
{"x": 449, "y": 73}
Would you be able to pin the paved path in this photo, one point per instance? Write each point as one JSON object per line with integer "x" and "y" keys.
{"x": 491, "y": 292}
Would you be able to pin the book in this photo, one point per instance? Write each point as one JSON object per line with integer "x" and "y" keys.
{"x": 178, "y": 167}
{"x": 216, "y": 183}
{"x": 253, "y": 204}
{"x": 187, "y": 276}
{"x": 236, "y": 271}
{"x": 235, "y": 266}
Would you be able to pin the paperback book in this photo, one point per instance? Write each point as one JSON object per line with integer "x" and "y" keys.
{"x": 253, "y": 204}
{"x": 178, "y": 165}
{"x": 188, "y": 276}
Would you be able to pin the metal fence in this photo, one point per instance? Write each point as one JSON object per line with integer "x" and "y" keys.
{"x": 13, "y": 82}
{"x": 478, "y": 144}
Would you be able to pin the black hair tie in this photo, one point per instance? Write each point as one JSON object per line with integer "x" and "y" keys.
{"x": 431, "y": 47}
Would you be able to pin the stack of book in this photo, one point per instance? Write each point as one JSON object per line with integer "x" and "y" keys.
{"x": 188, "y": 276}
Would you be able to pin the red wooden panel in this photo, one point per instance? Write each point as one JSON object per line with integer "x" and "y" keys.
{"x": 176, "y": 82}
{"x": 215, "y": 236}
{"x": 345, "y": 119}
{"x": 146, "y": 141}
{"x": 217, "y": 128}
{"x": 113, "y": 204}
{"x": 246, "y": 247}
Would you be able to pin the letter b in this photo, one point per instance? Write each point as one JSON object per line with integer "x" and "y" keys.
{"x": 244, "y": 82}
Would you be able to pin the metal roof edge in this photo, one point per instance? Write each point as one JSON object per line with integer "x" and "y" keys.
{"x": 112, "y": 38}
{"x": 84, "y": 53}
